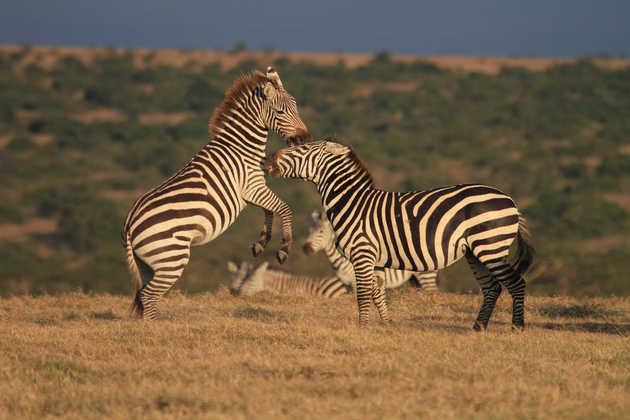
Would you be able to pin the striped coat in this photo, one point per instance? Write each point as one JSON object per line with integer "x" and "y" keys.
{"x": 415, "y": 230}
{"x": 204, "y": 198}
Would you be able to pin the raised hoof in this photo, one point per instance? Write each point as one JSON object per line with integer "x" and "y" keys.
{"x": 257, "y": 249}
{"x": 282, "y": 256}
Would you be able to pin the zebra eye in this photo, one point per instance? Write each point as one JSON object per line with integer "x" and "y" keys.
{"x": 280, "y": 112}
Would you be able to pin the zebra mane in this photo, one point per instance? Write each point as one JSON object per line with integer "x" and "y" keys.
{"x": 357, "y": 160}
{"x": 354, "y": 157}
{"x": 241, "y": 86}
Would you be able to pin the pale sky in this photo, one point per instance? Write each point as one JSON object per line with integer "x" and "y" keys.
{"x": 540, "y": 28}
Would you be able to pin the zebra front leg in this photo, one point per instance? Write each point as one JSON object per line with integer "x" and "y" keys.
{"x": 363, "y": 263}
{"x": 263, "y": 197}
{"x": 265, "y": 235}
{"x": 379, "y": 298}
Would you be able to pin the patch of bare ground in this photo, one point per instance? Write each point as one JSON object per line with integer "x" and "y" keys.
{"x": 26, "y": 114}
{"x": 459, "y": 171}
{"x": 524, "y": 202}
{"x": 35, "y": 226}
{"x": 604, "y": 244}
{"x": 268, "y": 356}
{"x": 123, "y": 195}
{"x": 4, "y": 140}
{"x": 175, "y": 118}
{"x": 621, "y": 199}
{"x": 147, "y": 88}
{"x": 366, "y": 90}
{"x": 43, "y": 138}
{"x": 100, "y": 114}
{"x": 47, "y": 57}
{"x": 592, "y": 163}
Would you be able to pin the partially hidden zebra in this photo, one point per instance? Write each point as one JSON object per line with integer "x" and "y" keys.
{"x": 249, "y": 279}
{"x": 322, "y": 237}
{"x": 198, "y": 203}
{"x": 416, "y": 230}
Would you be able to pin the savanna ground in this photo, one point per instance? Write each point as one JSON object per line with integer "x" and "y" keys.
{"x": 216, "y": 356}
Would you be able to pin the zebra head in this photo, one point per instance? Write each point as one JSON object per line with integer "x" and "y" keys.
{"x": 321, "y": 234}
{"x": 280, "y": 112}
{"x": 306, "y": 161}
{"x": 247, "y": 278}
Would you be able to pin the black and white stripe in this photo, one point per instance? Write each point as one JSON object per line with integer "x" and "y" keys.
{"x": 417, "y": 230}
{"x": 204, "y": 198}
{"x": 249, "y": 279}
{"x": 322, "y": 238}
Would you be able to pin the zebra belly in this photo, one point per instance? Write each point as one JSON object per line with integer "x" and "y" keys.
{"x": 212, "y": 232}
{"x": 171, "y": 235}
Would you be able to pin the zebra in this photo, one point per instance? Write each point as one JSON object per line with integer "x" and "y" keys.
{"x": 249, "y": 279}
{"x": 322, "y": 237}
{"x": 200, "y": 201}
{"x": 416, "y": 230}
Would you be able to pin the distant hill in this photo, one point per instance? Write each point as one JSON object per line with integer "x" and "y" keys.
{"x": 83, "y": 132}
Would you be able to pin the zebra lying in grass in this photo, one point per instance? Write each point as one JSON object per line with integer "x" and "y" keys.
{"x": 204, "y": 198}
{"x": 249, "y": 279}
{"x": 322, "y": 237}
{"x": 416, "y": 230}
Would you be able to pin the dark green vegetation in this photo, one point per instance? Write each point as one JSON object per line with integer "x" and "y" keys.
{"x": 79, "y": 142}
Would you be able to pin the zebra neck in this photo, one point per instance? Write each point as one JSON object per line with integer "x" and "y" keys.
{"x": 243, "y": 132}
{"x": 337, "y": 189}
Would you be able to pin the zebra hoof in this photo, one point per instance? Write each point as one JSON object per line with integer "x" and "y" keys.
{"x": 518, "y": 328}
{"x": 282, "y": 256}
{"x": 257, "y": 249}
{"x": 478, "y": 327}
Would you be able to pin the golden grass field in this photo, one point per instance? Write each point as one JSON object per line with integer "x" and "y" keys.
{"x": 269, "y": 356}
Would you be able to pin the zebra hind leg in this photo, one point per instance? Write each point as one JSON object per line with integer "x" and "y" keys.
{"x": 490, "y": 288}
{"x": 515, "y": 284}
{"x": 163, "y": 280}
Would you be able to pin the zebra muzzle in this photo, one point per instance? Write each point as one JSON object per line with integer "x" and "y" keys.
{"x": 301, "y": 136}
{"x": 271, "y": 166}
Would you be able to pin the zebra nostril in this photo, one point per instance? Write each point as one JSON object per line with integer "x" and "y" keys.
{"x": 308, "y": 249}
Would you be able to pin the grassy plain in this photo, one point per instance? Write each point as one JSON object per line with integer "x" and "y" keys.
{"x": 216, "y": 356}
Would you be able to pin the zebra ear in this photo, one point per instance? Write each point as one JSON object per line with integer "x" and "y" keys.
{"x": 273, "y": 75}
{"x": 232, "y": 267}
{"x": 261, "y": 268}
{"x": 336, "y": 148}
{"x": 269, "y": 90}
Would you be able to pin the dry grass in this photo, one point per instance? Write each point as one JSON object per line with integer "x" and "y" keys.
{"x": 216, "y": 356}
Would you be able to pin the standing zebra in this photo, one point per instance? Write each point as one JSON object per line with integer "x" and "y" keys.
{"x": 322, "y": 237}
{"x": 205, "y": 197}
{"x": 417, "y": 230}
{"x": 249, "y": 279}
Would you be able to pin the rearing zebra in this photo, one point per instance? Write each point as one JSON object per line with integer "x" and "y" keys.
{"x": 417, "y": 230}
{"x": 205, "y": 197}
{"x": 322, "y": 237}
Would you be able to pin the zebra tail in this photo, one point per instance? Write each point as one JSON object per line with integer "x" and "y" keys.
{"x": 136, "y": 306}
{"x": 525, "y": 249}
